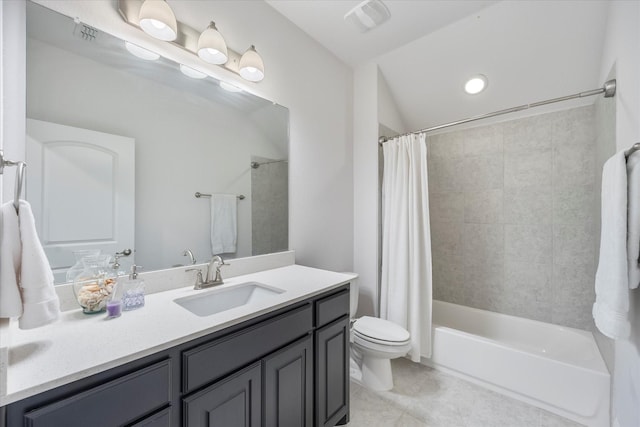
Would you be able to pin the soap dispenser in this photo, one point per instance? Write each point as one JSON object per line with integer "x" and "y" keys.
{"x": 133, "y": 290}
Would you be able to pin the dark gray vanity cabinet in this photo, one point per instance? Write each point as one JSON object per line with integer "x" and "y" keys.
{"x": 332, "y": 360}
{"x": 287, "y": 368}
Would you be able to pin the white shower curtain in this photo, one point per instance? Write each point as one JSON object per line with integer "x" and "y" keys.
{"x": 405, "y": 293}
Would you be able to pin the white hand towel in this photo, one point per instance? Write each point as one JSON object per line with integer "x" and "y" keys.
{"x": 39, "y": 299}
{"x": 10, "y": 300}
{"x": 633, "y": 221}
{"x": 610, "y": 311}
{"x": 224, "y": 223}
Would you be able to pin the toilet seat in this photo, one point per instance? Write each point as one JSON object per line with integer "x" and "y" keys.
{"x": 380, "y": 331}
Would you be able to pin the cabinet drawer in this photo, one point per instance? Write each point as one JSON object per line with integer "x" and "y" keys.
{"x": 209, "y": 362}
{"x": 332, "y": 307}
{"x": 114, "y": 403}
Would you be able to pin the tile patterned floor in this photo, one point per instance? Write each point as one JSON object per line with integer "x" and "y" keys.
{"x": 423, "y": 397}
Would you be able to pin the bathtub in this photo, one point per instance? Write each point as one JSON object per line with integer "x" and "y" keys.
{"x": 555, "y": 368}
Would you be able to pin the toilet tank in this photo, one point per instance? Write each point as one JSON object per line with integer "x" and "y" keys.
{"x": 353, "y": 297}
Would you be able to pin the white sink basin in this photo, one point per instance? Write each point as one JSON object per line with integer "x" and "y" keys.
{"x": 219, "y": 300}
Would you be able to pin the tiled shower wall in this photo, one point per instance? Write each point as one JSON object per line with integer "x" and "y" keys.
{"x": 269, "y": 206}
{"x": 512, "y": 219}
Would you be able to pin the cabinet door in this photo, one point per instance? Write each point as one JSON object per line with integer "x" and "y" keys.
{"x": 288, "y": 380}
{"x": 232, "y": 402}
{"x": 332, "y": 373}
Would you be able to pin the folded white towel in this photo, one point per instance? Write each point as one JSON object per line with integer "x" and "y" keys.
{"x": 610, "y": 311}
{"x": 224, "y": 223}
{"x": 10, "y": 300}
{"x": 633, "y": 221}
{"x": 39, "y": 299}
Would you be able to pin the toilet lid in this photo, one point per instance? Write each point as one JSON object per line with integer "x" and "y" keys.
{"x": 380, "y": 329}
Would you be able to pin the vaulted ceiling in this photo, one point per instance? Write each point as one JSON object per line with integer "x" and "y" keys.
{"x": 530, "y": 50}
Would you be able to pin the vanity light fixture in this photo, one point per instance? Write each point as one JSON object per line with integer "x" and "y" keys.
{"x": 190, "y": 72}
{"x": 141, "y": 52}
{"x": 211, "y": 46}
{"x": 476, "y": 84}
{"x": 229, "y": 87}
{"x": 158, "y": 20}
{"x": 251, "y": 65}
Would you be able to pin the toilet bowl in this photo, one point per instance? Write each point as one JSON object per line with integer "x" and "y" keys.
{"x": 374, "y": 342}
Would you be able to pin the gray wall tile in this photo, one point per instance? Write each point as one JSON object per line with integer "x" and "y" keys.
{"x": 528, "y": 205}
{"x": 527, "y": 193}
{"x": 483, "y": 244}
{"x": 482, "y": 172}
{"x": 528, "y": 134}
{"x": 573, "y": 244}
{"x": 448, "y": 279}
{"x": 528, "y": 288}
{"x": 445, "y": 174}
{"x": 483, "y": 141}
{"x": 484, "y": 207}
{"x": 573, "y": 165}
{"x": 446, "y": 238}
{"x": 528, "y": 169}
{"x": 573, "y": 204}
{"x": 445, "y": 145}
{"x": 528, "y": 243}
{"x": 573, "y": 295}
{"x": 446, "y": 207}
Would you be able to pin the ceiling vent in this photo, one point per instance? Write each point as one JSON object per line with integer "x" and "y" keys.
{"x": 368, "y": 15}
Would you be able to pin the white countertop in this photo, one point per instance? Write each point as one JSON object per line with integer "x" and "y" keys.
{"x": 80, "y": 345}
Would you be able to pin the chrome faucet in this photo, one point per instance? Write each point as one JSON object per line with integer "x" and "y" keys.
{"x": 187, "y": 252}
{"x": 211, "y": 280}
{"x": 218, "y": 262}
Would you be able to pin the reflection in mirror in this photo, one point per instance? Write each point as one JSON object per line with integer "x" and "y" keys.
{"x": 117, "y": 147}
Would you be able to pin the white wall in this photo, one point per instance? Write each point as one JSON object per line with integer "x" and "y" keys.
{"x": 12, "y": 64}
{"x": 622, "y": 47}
{"x": 388, "y": 112}
{"x": 301, "y": 75}
{"x": 365, "y": 185}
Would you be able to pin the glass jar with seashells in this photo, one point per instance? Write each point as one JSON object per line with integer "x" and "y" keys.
{"x": 93, "y": 286}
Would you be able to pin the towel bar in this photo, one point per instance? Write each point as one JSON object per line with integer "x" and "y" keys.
{"x": 199, "y": 195}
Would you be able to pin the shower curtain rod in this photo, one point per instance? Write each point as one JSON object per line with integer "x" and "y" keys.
{"x": 609, "y": 90}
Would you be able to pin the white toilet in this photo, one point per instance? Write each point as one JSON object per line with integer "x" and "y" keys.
{"x": 374, "y": 342}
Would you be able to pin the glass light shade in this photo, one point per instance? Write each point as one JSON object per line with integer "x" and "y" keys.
{"x": 157, "y": 20}
{"x": 141, "y": 52}
{"x": 211, "y": 46}
{"x": 251, "y": 65}
{"x": 190, "y": 72}
{"x": 476, "y": 84}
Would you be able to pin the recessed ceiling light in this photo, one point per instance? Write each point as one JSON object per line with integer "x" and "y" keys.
{"x": 190, "y": 72}
{"x": 141, "y": 52}
{"x": 476, "y": 84}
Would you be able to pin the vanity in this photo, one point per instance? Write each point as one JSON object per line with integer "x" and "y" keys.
{"x": 282, "y": 361}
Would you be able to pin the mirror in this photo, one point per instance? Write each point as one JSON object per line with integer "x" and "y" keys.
{"x": 117, "y": 147}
